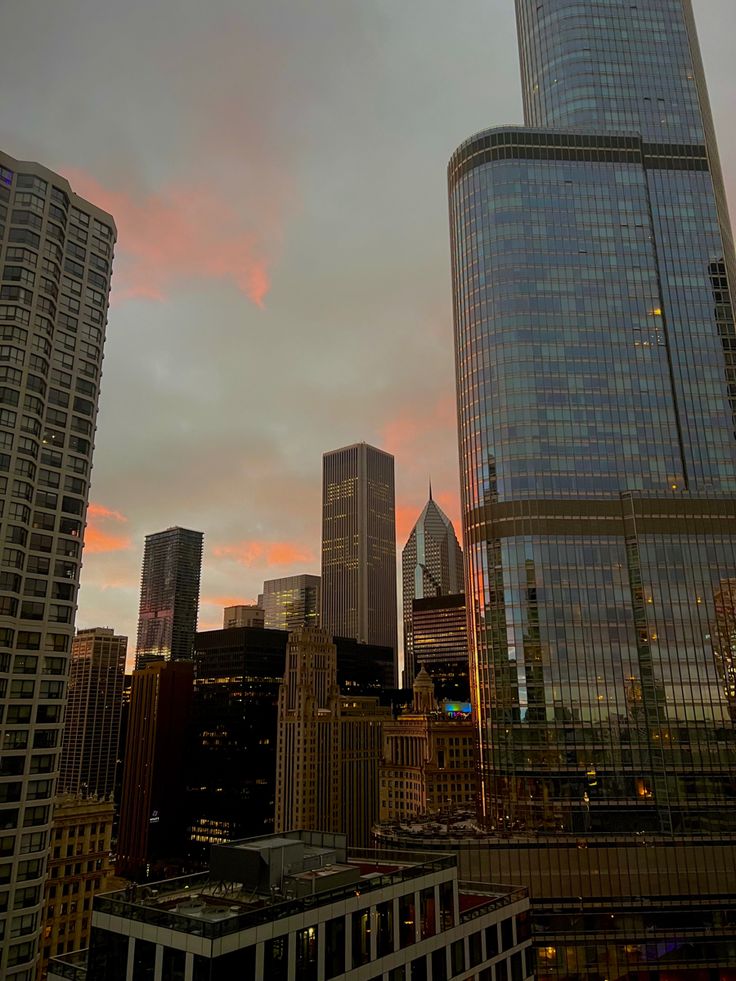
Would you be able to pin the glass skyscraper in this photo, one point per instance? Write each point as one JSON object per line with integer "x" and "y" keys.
{"x": 170, "y": 577}
{"x": 595, "y": 350}
{"x": 431, "y": 565}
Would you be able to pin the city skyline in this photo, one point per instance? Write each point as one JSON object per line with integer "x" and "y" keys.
{"x": 250, "y": 536}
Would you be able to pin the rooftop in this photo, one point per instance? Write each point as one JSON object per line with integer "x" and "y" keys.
{"x": 257, "y": 880}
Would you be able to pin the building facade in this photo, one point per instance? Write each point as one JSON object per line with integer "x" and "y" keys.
{"x": 328, "y": 746}
{"x": 55, "y": 262}
{"x": 230, "y": 771}
{"x": 151, "y": 827}
{"x": 428, "y": 766}
{"x": 291, "y": 602}
{"x": 90, "y": 747}
{"x": 304, "y": 907}
{"x": 431, "y": 565}
{"x": 598, "y": 488}
{"x": 79, "y": 868}
{"x": 243, "y": 616}
{"x": 440, "y": 643}
{"x": 592, "y": 273}
{"x": 359, "y": 545}
{"x": 167, "y": 619}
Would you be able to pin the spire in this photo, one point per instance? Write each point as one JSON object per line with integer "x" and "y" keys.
{"x": 430, "y": 488}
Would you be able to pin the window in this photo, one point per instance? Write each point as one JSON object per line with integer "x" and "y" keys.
{"x": 361, "y": 937}
{"x": 276, "y": 959}
{"x": 507, "y": 933}
{"x": 457, "y": 957}
{"x": 447, "y": 905}
{"x": 407, "y": 920}
{"x": 419, "y": 969}
{"x": 429, "y": 912}
{"x": 173, "y": 964}
{"x": 475, "y": 948}
{"x": 439, "y": 964}
{"x": 517, "y": 969}
{"x": 385, "y": 925}
{"x": 144, "y": 960}
{"x": 334, "y": 947}
{"x": 306, "y": 954}
{"x": 238, "y": 964}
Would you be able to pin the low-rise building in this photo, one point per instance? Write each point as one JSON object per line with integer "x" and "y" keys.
{"x": 303, "y": 907}
{"x": 79, "y": 868}
{"x": 428, "y": 765}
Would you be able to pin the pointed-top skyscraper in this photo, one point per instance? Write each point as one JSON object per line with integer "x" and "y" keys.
{"x": 431, "y": 565}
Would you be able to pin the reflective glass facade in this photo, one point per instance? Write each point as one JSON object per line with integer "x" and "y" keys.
{"x": 167, "y": 617}
{"x": 431, "y": 565}
{"x": 594, "y": 344}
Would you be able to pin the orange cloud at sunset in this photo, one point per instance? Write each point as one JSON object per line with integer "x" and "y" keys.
{"x": 224, "y": 601}
{"x": 98, "y": 537}
{"x": 181, "y": 232}
{"x": 257, "y": 553}
{"x": 414, "y": 424}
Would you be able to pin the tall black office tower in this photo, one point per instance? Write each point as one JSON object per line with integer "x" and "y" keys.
{"x": 592, "y": 268}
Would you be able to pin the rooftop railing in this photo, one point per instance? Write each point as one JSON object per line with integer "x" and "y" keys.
{"x": 70, "y": 966}
{"x": 144, "y": 905}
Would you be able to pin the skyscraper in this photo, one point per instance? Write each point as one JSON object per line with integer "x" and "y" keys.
{"x": 92, "y": 726}
{"x": 167, "y": 621}
{"x": 592, "y": 267}
{"x": 359, "y": 545}
{"x": 431, "y": 565}
{"x": 440, "y": 638}
{"x": 152, "y": 821}
{"x": 56, "y": 252}
{"x": 291, "y": 602}
{"x": 328, "y": 747}
{"x": 594, "y": 324}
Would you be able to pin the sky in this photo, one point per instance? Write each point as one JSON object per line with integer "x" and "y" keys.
{"x": 277, "y": 172}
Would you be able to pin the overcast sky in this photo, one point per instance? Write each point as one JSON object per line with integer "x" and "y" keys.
{"x": 276, "y": 169}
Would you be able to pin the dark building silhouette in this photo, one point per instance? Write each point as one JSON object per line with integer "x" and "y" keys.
{"x": 92, "y": 726}
{"x": 359, "y": 545}
{"x": 151, "y": 825}
{"x": 231, "y": 759}
{"x": 440, "y": 643}
{"x": 167, "y": 620}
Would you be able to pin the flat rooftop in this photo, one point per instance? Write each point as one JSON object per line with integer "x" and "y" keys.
{"x": 213, "y": 906}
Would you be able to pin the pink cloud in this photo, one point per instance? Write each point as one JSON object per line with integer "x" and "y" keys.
{"x": 224, "y": 601}
{"x": 416, "y": 423}
{"x": 259, "y": 553}
{"x": 98, "y": 537}
{"x": 179, "y": 233}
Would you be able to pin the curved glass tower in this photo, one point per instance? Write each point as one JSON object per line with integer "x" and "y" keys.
{"x": 56, "y": 251}
{"x": 595, "y": 348}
